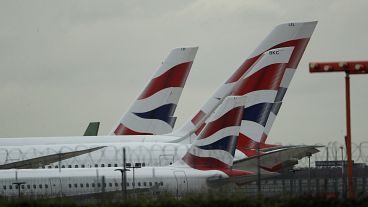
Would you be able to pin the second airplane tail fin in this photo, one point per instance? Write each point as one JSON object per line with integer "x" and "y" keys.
{"x": 267, "y": 82}
{"x": 291, "y": 39}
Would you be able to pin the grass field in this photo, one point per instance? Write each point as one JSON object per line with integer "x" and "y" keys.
{"x": 208, "y": 200}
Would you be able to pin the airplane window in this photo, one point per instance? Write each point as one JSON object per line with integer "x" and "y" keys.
{"x": 16, "y": 187}
{"x": 49, "y": 166}
{"x": 110, "y": 184}
{"x": 150, "y": 183}
{"x": 75, "y": 166}
{"x": 34, "y": 186}
{"x": 82, "y": 166}
{"x": 46, "y": 186}
{"x": 69, "y": 166}
{"x": 93, "y": 184}
{"x": 75, "y": 185}
{"x": 99, "y": 184}
{"x": 87, "y": 185}
{"x": 127, "y": 184}
{"x": 102, "y": 165}
{"x": 96, "y": 165}
{"x": 144, "y": 183}
{"x": 70, "y": 185}
{"x": 63, "y": 166}
{"x": 28, "y": 187}
{"x": 116, "y": 184}
{"x": 143, "y": 164}
{"x": 133, "y": 184}
{"x": 115, "y": 165}
{"x": 162, "y": 183}
{"x": 10, "y": 187}
{"x": 56, "y": 166}
{"x": 4, "y": 187}
{"x": 156, "y": 183}
{"x": 104, "y": 184}
{"x": 139, "y": 183}
{"x": 108, "y": 165}
{"x": 81, "y": 185}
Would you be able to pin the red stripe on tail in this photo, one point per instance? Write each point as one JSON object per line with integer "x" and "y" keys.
{"x": 174, "y": 77}
{"x": 123, "y": 130}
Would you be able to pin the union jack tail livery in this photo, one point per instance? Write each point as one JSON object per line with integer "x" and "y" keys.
{"x": 152, "y": 112}
{"x": 266, "y": 80}
{"x": 215, "y": 147}
{"x": 291, "y": 38}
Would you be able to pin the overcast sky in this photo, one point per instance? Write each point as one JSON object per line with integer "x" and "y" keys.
{"x": 66, "y": 63}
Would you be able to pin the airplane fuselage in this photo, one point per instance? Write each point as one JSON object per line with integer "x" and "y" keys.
{"x": 67, "y": 182}
{"x": 145, "y": 150}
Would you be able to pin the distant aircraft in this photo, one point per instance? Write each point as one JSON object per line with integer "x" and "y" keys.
{"x": 92, "y": 129}
{"x": 262, "y": 79}
{"x": 206, "y": 164}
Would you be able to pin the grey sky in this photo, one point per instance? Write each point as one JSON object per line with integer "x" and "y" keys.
{"x": 66, "y": 63}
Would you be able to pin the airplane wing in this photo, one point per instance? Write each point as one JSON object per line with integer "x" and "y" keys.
{"x": 46, "y": 160}
{"x": 240, "y": 180}
{"x": 276, "y": 159}
{"x": 92, "y": 129}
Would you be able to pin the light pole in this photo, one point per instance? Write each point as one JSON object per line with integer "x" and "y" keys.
{"x": 349, "y": 68}
{"x": 123, "y": 176}
{"x": 342, "y": 171}
{"x": 258, "y": 172}
{"x": 137, "y": 165}
{"x": 18, "y": 184}
{"x": 309, "y": 172}
{"x": 292, "y": 181}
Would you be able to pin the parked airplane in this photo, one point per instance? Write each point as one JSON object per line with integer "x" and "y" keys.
{"x": 263, "y": 79}
{"x": 206, "y": 164}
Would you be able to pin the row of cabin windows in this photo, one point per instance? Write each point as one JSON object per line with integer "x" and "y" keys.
{"x": 87, "y": 185}
{"x": 96, "y": 165}
{"x": 81, "y": 185}
{"x": 34, "y": 186}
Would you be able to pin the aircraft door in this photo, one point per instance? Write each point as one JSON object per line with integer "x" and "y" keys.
{"x": 55, "y": 188}
{"x": 181, "y": 183}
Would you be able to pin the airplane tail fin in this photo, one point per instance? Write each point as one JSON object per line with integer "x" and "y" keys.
{"x": 92, "y": 129}
{"x": 215, "y": 146}
{"x": 292, "y": 37}
{"x": 266, "y": 82}
{"x": 153, "y": 111}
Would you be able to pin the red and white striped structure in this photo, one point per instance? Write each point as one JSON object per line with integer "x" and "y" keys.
{"x": 153, "y": 111}
{"x": 215, "y": 146}
{"x": 263, "y": 78}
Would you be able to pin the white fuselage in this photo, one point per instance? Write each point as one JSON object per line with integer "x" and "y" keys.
{"x": 70, "y": 182}
{"x": 146, "y": 150}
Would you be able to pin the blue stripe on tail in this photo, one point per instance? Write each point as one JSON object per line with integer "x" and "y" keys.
{"x": 226, "y": 144}
{"x": 258, "y": 113}
{"x": 164, "y": 113}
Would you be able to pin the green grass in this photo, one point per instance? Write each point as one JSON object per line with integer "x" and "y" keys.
{"x": 212, "y": 200}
